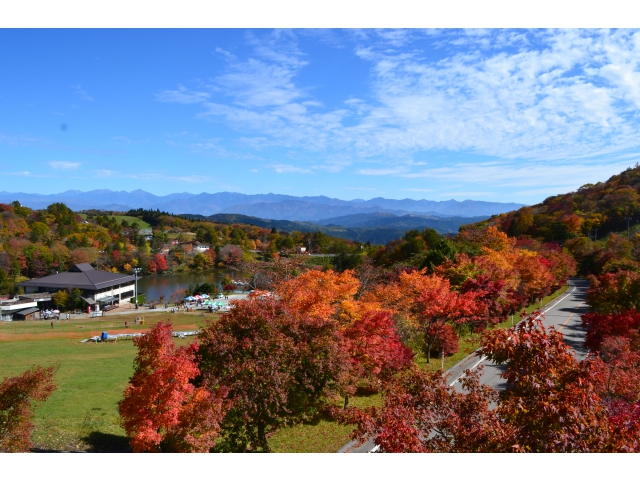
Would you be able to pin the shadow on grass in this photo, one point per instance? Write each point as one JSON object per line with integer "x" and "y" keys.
{"x": 326, "y": 415}
{"x": 107, "y": 443}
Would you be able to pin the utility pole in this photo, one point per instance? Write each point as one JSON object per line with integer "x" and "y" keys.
{"x": 628, "y": 219}
{"x": 136, "y": 271}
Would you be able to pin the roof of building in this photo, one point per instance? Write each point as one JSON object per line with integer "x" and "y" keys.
{"x": 82, "y": 276}
{"x": 28, "y": 311}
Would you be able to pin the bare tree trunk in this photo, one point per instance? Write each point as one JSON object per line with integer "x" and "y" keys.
{"x": 346, "y": 402}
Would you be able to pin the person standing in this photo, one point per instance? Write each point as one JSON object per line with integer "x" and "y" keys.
{"x": 52, "y": 325}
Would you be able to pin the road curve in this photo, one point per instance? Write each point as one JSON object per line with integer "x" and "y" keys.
{"x": 563, "y": 313}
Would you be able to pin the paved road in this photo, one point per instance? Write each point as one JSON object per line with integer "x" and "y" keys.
{"x": 563, "y": 313}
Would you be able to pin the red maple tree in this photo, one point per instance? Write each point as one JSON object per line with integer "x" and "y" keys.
{"x": 440, "y": 306}
{"x": 17, "y": 397}
{"x": 375, "y": 350}
{"x": 160, "y": 406}
{"x": 277, "y": 364}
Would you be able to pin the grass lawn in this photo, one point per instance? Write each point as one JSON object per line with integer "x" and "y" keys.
{"x": 128, "y": 218}
{"x": 82, "y": 414}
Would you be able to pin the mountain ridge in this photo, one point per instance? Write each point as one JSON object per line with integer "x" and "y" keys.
{"x": 269, "y": 205}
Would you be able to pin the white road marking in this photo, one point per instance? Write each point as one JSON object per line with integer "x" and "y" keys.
{"x": 542, "y": 313}
{"x": 483, "y": 358}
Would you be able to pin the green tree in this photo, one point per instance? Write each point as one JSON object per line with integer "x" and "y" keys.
{"x": 39, "y": 232}
{"x": 61, "y": 299}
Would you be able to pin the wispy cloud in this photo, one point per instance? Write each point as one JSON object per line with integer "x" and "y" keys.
{"x": 27, "y": 173}
{"x": 60, "y": 165}
{"x": 19, "y": 140}
{"x": 545, "y": 95}
{"x": 121, "y": 140}
{"x": 182, "y": 95}
{"x": 81, "y": 93}
{"x": 384, "y": 171}
{"x": 528, "y": 175}
{"x": 154, "y": 176}
{"x": 466, "y": 194}
{"x": 282, "y": 168}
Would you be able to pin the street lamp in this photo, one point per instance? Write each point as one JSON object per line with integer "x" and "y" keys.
{"x": 136, "y": 271}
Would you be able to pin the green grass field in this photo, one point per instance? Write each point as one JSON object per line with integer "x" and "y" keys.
{"x": 82, "y": 414}
{"x": 129, "y": 219}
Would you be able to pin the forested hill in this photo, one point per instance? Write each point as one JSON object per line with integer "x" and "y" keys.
{"x": 591, "y": 223}
{"x": 377, "y": 228}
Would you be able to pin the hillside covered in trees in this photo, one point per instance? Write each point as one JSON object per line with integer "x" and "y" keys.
{"x": 597, "y": 224}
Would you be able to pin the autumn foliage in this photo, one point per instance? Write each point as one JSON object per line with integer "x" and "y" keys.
{"x": 553, "y": 403}
{"x": 278, "y": 364}
{"x": 161, "y": 409}
{"x": 375, "y": 350}
{"x": 17, "y": 397}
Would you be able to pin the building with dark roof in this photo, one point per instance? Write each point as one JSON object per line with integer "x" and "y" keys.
{"x": 98, "y": 287}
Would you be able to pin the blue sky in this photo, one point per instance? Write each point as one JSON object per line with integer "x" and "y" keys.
{"x": 496, "y": 115}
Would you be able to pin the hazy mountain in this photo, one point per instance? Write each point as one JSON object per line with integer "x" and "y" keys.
{"x": 298, "y": 210}
{"x": 378, "y": 228}
{"x": 269, "y": 205}
{"x": 466, "y": 208}
{"x": 407, "y": 222}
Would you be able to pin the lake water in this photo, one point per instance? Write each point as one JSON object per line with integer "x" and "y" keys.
{"x": 155, "y": 285}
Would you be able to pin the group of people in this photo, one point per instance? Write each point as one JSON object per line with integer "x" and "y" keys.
{"x": 47, "y": 314}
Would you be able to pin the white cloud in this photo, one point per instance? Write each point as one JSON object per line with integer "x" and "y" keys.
{"x": 512, "y": 175}
{"x": 384, "y": 171}
{"x": 282, "y": 168}
{"x": 466, "y": 194}
{"x": 153, "y": 176}
{"x": 81, "y": 93}
{"x": 182, "y": 95}
{"x": 121, "y": 140}
{"x": 26, "y": 173}
{"x": 553, "y": 96}
{"x": 19, "y": 140}
{"x": 58, "y": 165}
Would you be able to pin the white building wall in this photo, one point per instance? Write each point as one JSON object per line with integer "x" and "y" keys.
{"x": 9, "y": 308}
{"x": 115, "y": 292}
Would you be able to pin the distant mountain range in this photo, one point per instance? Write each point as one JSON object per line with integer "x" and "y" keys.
{"x": 274, "y": 206}
{"x": 378, "y": 228}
